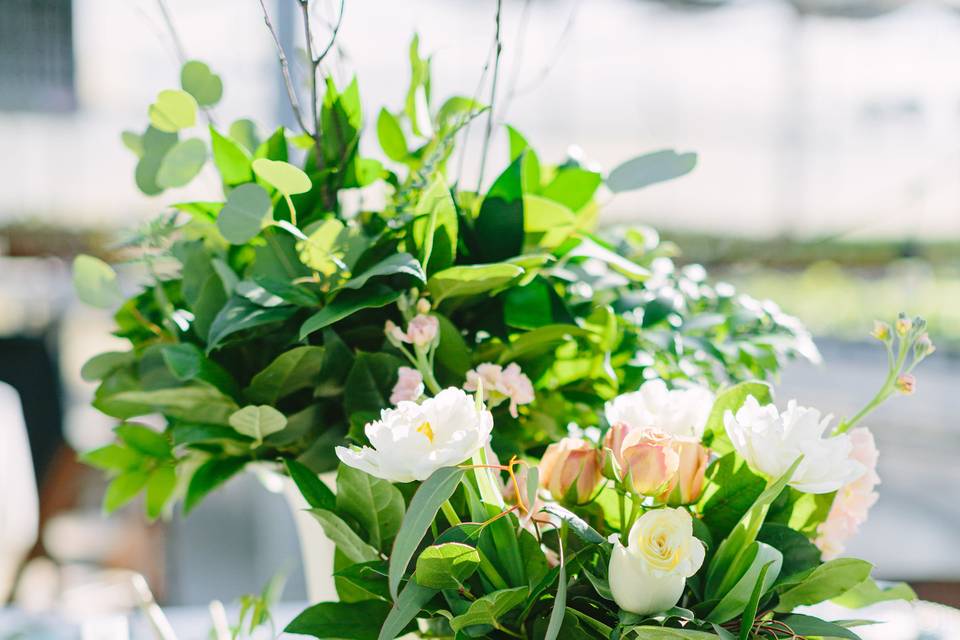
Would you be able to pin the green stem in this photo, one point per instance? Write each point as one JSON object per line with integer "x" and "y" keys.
{"x": 886, "y": 390}
{"x": 491, "y": 572}
{"x": 634, "y": 514}
{"x": 450, "y": 513}
{"x": 293, "y": 212}
{"x": 423, "y": 365}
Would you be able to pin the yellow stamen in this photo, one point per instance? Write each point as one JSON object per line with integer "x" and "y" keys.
{"x": 426, "y": 430}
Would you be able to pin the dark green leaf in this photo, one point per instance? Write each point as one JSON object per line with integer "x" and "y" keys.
{"x": 412, "y": 599}
{"x": 348, "y": 542}
{"x": 240, "y": 314}
{"x": 346, "y": 304}
{"x": 291, "y": 371}
{"x": 500, "y": 222}
{"x": 829, "y": 580}
{"x": 369, "y": 383}
{"x": 345, "y": 620}
{"x": 399, "y": 264}
{"x": 317, "y": 494}
{"x": 374, "y": 503}
{"x": 187, "y": 362}
{"x": 803, "y": 625}
{"x": 731, "y": 399}
{"x": 208, "y": 476}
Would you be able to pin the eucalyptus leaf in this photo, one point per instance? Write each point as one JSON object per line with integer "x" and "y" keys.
{"x": 198, "y": 80}
{"x": 447, "y": 565}
{"x": 489, "y": 609}
{"x": 96, "y": 282}
{"x": 258, "y": 422}
{"x": 173, "y": 110}
{"x": 182, "y": 163}
{"x": 287, "y": 178}
{"x": 247, "y": 209}
{"x": 650, "y": 168}
{"x": 375, "y": 504}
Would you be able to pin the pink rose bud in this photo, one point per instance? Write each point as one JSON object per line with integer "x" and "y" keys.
{"x": 906, "y": 384}
{"x": 687, "y": 485}
{"x": 650, "y": 461}
{"x": 394, "y": 333}
{"x": 409, "y": 386}
{"x": 613, "y": 440}
{"x": 570, "y": 470}
{"x": 423, "y": 330}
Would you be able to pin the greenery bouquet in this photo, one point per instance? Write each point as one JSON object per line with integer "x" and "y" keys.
{"x": 539, "y": 429}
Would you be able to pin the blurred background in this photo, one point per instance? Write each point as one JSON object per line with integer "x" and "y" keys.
{"x": 828, "y": 133}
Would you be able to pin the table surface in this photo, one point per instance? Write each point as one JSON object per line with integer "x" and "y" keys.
{"x": 899, "y": 621}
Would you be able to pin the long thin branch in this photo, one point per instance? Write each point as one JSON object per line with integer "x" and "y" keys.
{"x": 285, "y": 70}
{"x": 493, "y": 95}
{"x": 174, "y": 36}
{"x": 547, "y": 68}
{"x": 308, "y": 37}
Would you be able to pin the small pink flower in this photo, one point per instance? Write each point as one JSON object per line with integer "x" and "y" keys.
{"x": 423, "y": 330}
{"x": 393, "y": 332}
{"x": 409, "y": 386}
{"x": 906, "y": 384}
{"x": 853, "y": 501}
{"x": 501, "y": 384}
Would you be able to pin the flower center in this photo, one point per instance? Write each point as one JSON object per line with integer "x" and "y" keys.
{"x": 426, "y": 430}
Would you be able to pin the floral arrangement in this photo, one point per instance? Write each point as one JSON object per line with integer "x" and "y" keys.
{"x": 538, "y": 429}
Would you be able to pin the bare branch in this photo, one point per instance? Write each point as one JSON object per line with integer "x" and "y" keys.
{"x": 547, "y": 68}
{"x": 493, "y": 95}
{"x": 285, "y": 70}
{"x": 174, "y": 36}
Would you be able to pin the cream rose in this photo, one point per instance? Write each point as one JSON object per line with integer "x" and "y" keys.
{"x": 648, "y": 575}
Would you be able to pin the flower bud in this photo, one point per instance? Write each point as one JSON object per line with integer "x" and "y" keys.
{"x": 923, "y": 346}
{"x": 394, "y": 333}
{"x": 881, "y": 331}
{"x": 570, "y": 470}
{"x": 650, "y": 461}
{"x": 423, "y": 306}
{"x": 906, "y": 384}
{"x": 409, "y": 386}
{"x": 903, "y": 325}
{"x": 423, "y": 330}
{"x": 613, "y": 440}
{"x": 687, "y": 485}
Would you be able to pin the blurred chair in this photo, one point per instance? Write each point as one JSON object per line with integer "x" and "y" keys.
{"x": 19, "y": 504}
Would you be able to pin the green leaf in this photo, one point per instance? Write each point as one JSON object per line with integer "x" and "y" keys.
{"x": 344, "y": 620}
{"x": 447, "y": 565}
{"x": 198, "y": 80}
{"x": 144, "y": 440}
{"x": 399, "y": 264}
{"x": 434, "y": 491}
{"x": 155, "y": 145}
{"x": 317, "y": 494}
{"x": 435, "y": 226}
{"x": 559, "y": 601}
{"x": 182, "y": 163}
{"x": 247, "y": 209}
{"x": 500, "y": 222}
{"x": 173, "y": 110}
{"x": 799, "y": 554}
{"x": 96, "y": 282}
{"x": 112, "y": 457}
{"x": 453, "y": 356}
{"x": 471, "y": 280}
{"x": 322, "y": 251}
{"x": 160, "y": 486}
{"x": 187, "y": 362}
{"x": 291, "y": 371}
{"x": 123, "y": 489}
{"x": 287, "y": 178}
{"x": 651, "y": 168}
{"x": 573, "y": 187}
{"x": 196, "y": 403}
{"x": 728, "y": 494}
{"x": 103, "y": 364}
{"x": 829, "y": 580}
{"x": 244, "y": 131}
{"x": 577, "y": 524}
{"x": 547, "y": 223}
{"x": 489, "y": 609}
{"x": 868, "y": 592}
{"x": 731, "y": 399}
{"x": 375, "y": 504}
{"x": 413, "y": 598}
{"x": 193, "y": 433}
{"x": 591, "y": 249}
{"x": 208, "y": 476}
{"x": 239, "y": 314}
{"x": 806, "y": 626}
{"x": 346, "y": 539}
{"x": 258, "y": 422}
{"x": 134, "y": 142}
{"x": 232, "y": 160}
{"x": 391, "y": 137}
{"x": 346, "y": 304}
{"x": 369, "y": 383}
{"x": 665, "y": 633}
{"x": 761, "y": 572}
{"x": 202, "y": 287}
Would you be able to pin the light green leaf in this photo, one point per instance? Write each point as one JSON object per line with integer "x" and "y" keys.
{"x": 560, "y": 601}
{"x": 435, "y": 226}
{"x": 573, "y": 187}
{"x": 156, "y": 144}
{"x": 134, "y": 142}
{"x": 489, "y": 609}
{"x": 258, "y": 421}
{"x": 764, "y": 564}
{"x": 471, "y": 280}
{"x": 112, "y": 457}
{"x": 96, "y": 282}
{"x": 869, "y": 592}
{"x": 182, "y": 163}
{"x": 434, "y": 491}
{"x": 232, "y": 160}
{"x": 247, "y": 208}
{"x": 665, "y": 633}
{"x": 447, "y": 565}
{"x": 173, "y": 110}
{"x": 346, "y": 539}
{"x": 375, "y": 504}
{"x": 291, "y": 371}
{"x": 829, "y": 580}
{"x": 244, "y": 131}
{"x": 651, "y": 168}
{"x": 123, "y": 489}
{"x": 160, "y": 486}
{"x": 196, "y": 403}
{"x": 287, "y": 178}
{"x": 547, "y": 223}
{"x": 391, "y": 137}
{"x": 144, "y": 440}
{"x": 499, "y": 225}
{"x": 321, "y": 251}
{"x": 589, "y": 248}
{"x": 204, "y": 85}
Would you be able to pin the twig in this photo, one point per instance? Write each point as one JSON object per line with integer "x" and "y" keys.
{"x": 466, "y": 129}
{"x": 549, "y": 66}
{"x": 493, "y": 95}
{"x": 285, "y": 70}
{"x": 521, "y": 41}
{"x": 177, "y": 43}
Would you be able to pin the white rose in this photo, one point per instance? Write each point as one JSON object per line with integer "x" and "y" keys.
{"x": 771, "y": 442}
{"x": 414, "y": 440}
{"x": 648, "y": 575}
{"x": 678, "y": 412}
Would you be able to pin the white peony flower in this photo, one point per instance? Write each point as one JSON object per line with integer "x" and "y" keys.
{"x": 648, "y": 575}
{"x": 409, "y": 386}
{"x": 771, "y": 442}
{"x": 414, "y": 440}
{"x": 678, "y": 412}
